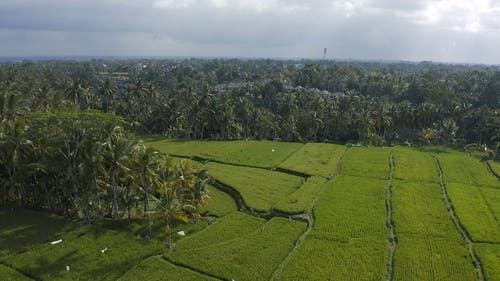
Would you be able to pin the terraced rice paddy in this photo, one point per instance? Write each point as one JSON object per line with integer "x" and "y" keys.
{"x": 327, "y": 212}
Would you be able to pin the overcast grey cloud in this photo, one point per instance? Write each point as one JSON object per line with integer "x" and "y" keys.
{"x": 440, "y": 30}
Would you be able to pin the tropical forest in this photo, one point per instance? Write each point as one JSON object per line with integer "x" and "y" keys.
{"x": 249, "y": 169}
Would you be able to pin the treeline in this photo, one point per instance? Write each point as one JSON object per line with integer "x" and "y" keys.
{"x": 370, "y": 103}
{"x": 84, "y": 164}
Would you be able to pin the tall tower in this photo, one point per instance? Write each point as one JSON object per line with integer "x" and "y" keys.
{"x": 324, "y": 54}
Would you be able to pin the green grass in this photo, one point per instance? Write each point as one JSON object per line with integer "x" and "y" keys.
{"x": 81, "y": 246}
{"x": 300, "y": 201}
{"x": 260, "y": 188}
{"x": 461, "y": 168}
{"x": 254, "y": 256}
{"x": 253, "y": 153}
{"x": 414, "y": 165}
{"x": 81, "y": 250}
{"x": 474, "y": 212}
{"x": 230, "y": 227}
{"x": 495, "y": 165}
{"x": 10, "y": 274}
{"x": 490, "y": 257}
{"x": 157, "y": 269}
{"x": 432, "y": 259}
{"x": 372, "y": 162}
{"x": 218, "y": 203}
{"x": 318, "y": 159}
{"x": 326, "y": 260}
{"x": 492, "y": 196}
{"x": 351, "y": 208}
{"x": 21, "y": 229}
{"x": 419, "y": 210}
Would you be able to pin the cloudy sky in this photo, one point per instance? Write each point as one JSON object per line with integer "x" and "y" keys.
{"x": 439, "y": 30}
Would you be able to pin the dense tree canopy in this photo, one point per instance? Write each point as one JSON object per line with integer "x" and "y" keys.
{"x": 65, "y": 142}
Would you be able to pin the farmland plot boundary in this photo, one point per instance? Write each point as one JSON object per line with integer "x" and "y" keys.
{"x": 311, "y": 218}
{"x": 188, "y": 267}
{"x": 27, "y": 275}
{"x": 391, "y": 230}
{"x": 476, "y": 261}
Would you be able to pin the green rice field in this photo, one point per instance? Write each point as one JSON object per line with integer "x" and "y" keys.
{"x": 286, "y": 211}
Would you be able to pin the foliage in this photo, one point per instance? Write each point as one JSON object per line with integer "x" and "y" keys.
{"x": 315, "y": 159}
{"x": 367, "y": 162}
{"x": 429, "y": 258}
{"x": 253, "y": 256}
{"x": 260, "y": 188}
{"x": 339, "y": 216}
{"x": 218, "y": 203}
{"x": 157, "y": 269}
{"x": 490, "y": 255}
{"x": 82, "y": 245}
{"x": 81, "y": 249}
{"x": 330, "y": 260}
{"x": 419, "y": 210}
{"x": 21, "y": 229}
{"x": 230, "y": 227}
{"x": 251, "y": 153}
{"x": 474, "y": 206}
{"x": 10, "y": 274}
{"x": 300, "y": 200}
{"x": 413, "y": 165}
{"x": 462, "y": 168}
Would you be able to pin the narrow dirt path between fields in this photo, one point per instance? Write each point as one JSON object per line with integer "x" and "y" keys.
{"x": 392, "y": 239}
{"x": 279, "y": 270}
{"x": 274, "y": 169}
{"x": 480, "y": 276}
{"x": 193, "y": 269}
{"x": 29, "y": 276}
{"x": 492, "y": 171}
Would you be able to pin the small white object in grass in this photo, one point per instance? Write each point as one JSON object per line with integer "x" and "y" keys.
{"x": 181, "y": 233}
{"x": 67, "y": 268}
{"x": 272, "y": 150}
{"x": 56, "y": 242}
{"x": 104, "y": 250}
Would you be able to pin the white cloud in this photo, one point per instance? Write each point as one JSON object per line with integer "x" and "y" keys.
{"x": 387, "y": 29}
{"x": 175, "y": 4}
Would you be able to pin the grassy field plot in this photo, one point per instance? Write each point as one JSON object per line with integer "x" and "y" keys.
{"x": 461, "y": 168}
{"x": 414, "y": 165}
{"x": 351, "y": 208}
{"x": 10, "y": 274}
{"x": 22, "y": 229}
{"x": 495, "y": 165}
{"x": 218, "y": 203}
{"x": 252, "y": 257}
{"x": 81, "y": 251}
{"x": 318, "y": 159}
{"x": 370, "y": 162}
{"x": 260, "y": 188}
{"x": 300, "y": 201}
{"x": 232, "y": 226}
{"x": 419, "y": 210}
{"x": 327, "y": 260}
{"x": 432, "y": 259}
{"x": 81, "y": 248}
{"x": 156, "y": 268}
{"x": 253, "y": 153}
{"x": 474, "y": 211}
{"x": 490, "y": 257}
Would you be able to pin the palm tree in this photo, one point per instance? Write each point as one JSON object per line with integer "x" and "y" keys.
{"x": 118, "y": 152}
{"x": 108, "y": 91}
{"x": 146, "y": 164}
{"x": 91, "y": 170}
